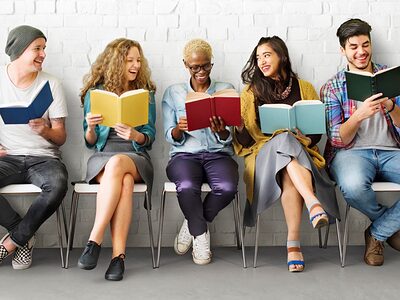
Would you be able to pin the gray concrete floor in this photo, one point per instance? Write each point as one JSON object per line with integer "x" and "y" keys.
{"x": 179, "y": 278}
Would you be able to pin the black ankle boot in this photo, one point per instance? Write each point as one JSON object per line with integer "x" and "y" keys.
{"x": 90, "y": 256}
{"x": 115, "y": 271}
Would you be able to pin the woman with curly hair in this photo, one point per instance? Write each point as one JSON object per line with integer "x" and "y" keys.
{"x": 286, "y": 164}
{"x": 121, "y": 157}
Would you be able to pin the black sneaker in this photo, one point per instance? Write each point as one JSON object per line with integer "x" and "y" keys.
{"x": 115, "y": 271}
{"x": 90, "y": 256}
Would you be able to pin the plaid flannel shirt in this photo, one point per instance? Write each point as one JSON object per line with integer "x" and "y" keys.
{"x": 339, "y": 108}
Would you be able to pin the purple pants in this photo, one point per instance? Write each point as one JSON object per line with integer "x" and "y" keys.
{"x": 188, "y": 171}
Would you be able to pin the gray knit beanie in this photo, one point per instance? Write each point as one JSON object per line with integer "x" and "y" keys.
{"x": 20, "y": 38}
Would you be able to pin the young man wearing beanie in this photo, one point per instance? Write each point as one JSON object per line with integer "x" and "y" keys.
{"x": 29, "y": 153}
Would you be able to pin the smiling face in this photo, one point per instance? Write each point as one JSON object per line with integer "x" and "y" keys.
{"x": 133, "y": 64}
{"x": 195, "y": 60}
{"x": 358, "y": 52}
{"x": 33, "y": 56}
{"x": 268, "y": 61}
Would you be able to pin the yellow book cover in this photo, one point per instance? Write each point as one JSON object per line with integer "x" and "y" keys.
{"x": 131, "y": 108}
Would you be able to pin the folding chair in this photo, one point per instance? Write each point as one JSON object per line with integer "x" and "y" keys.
{"x": 169, "y": 187}
{"x": 92, "y": 189}
{"x": 30, "y": 189}
{"x": 377, "y": 187}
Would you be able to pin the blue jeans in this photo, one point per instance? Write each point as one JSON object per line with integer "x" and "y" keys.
{"x": 188, "y": 171}
{"x": 354, "y": 171}
{"x": 47, "y": 173}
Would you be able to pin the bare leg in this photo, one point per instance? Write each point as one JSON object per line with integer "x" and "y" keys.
{"x": 292, "y": 204}
{"x": 302, "y": 180}
{"x": 122, "y": 217}
{"x": 109, "y": 194}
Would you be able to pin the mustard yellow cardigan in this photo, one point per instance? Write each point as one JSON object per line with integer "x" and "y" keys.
{"x": 248, "y": 112}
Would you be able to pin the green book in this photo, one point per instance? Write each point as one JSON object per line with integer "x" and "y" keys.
{"x": 361, "y": 85}
{"x": 306, "y": 115}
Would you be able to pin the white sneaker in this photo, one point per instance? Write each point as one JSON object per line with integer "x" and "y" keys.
{"x": 201, "y": 249}
{"x": 22, "y": 258}
{"x": 183, "y": 240}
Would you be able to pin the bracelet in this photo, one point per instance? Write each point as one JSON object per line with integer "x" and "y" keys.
{"x": 394, "y": 104}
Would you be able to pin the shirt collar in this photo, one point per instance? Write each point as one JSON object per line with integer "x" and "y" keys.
{"x": 210, "y": 90}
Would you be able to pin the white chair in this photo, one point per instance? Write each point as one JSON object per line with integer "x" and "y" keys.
{"x": 92, "y": 189}
{"x": 377, "y": 187}
{"x": 169, "y": 187}
{"x": 30, "y": 189}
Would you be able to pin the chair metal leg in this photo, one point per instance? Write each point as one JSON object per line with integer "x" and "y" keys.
{"x": 64, "y": 215}
{"x": 241, "y": 235}
{"x": 236, "y": 217}
{"x": 60, "y": 238}
{"x": 345, "y": 235}
{"x": 72, "y": 219}
{"x": 160, "y": 227}
{"x": 146, "y": 198}
{"x": 339, "y": 240}
{"x": 256, "y": 242}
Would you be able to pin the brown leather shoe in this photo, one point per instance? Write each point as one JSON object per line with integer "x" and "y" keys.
{"x": 394, "y": 241}
{"x": 373, "y": 254}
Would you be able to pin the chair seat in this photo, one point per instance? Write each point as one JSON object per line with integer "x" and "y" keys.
{"x": 23, "y": 188}
{"x": 170, "y": 187}
{"x": 85, "y": 188}
{"x": 385, "y": 187}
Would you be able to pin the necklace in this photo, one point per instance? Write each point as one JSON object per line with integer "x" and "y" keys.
{"x": 287, "y": 91}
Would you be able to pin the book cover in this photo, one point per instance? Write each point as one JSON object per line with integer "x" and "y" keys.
{"x": 200, "y": 107}
{"x": 306, "y": 115}
{"x": 361, "y": 85}
{"x": 130, "y": 108}
{"x": 33, "y": 109}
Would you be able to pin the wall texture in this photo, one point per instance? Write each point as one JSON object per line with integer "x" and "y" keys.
{"x": 78, "y": 30}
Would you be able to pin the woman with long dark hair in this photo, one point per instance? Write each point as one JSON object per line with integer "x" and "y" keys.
{"x": 286, "y": 164}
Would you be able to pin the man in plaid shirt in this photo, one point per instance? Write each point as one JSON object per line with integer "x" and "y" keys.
{"x": 363, "y": 142}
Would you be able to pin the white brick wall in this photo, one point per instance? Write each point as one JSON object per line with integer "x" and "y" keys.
{"x": 78, "y": 30}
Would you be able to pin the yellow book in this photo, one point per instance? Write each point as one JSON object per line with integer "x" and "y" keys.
{"x": 131, "y": 108}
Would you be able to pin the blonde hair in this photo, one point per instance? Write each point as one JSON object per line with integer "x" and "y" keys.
{"x": 108, "y": 69}
{"x": 197, "y": 46}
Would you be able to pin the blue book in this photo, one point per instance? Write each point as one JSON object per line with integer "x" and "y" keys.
{"x": 22, "y": 113}
{"x": 306, "y": 115}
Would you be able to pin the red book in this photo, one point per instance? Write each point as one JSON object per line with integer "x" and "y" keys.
{"x": 200, "y": 107}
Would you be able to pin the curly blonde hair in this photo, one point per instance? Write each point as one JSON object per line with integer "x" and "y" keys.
{"x": 197, "y": 46}
{"x": 108, "y": 69}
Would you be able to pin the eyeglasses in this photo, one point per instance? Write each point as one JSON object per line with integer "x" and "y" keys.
{"x": 196, "y": 68}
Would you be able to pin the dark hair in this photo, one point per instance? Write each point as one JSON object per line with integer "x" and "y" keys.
{"x": 266, "y": 89}
{"x": 352, "y": 27}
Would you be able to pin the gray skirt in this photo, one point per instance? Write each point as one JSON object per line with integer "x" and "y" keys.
{"x": 98, "y": 160}
{"x": 275, "y": 155}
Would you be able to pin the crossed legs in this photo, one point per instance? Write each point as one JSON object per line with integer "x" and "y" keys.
{"x": 114, "y": 201}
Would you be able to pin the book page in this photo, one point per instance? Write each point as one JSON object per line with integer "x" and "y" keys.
{"x": 132, "y": 92}
{"x": 226, "y": 93}
{"x": 195, "y": 96}
{"x": 277, "y": 105}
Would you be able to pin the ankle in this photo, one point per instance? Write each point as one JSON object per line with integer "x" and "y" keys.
{"x": 9, "y": 244}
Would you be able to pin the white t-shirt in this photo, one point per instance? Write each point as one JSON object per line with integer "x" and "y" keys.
{"x": 21, "y": 139}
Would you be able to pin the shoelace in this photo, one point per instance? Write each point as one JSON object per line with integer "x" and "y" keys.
{"x": 201, "y": 247}
{"x": 90, "y": 248}
{"x": 117, "y": 258}
{"x": 184, "y": 236}
{"x": 377, "y": 248}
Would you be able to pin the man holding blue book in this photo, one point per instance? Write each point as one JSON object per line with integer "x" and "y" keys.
{"x": 363, "y": 141}
{"x": 29, "y": 153}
